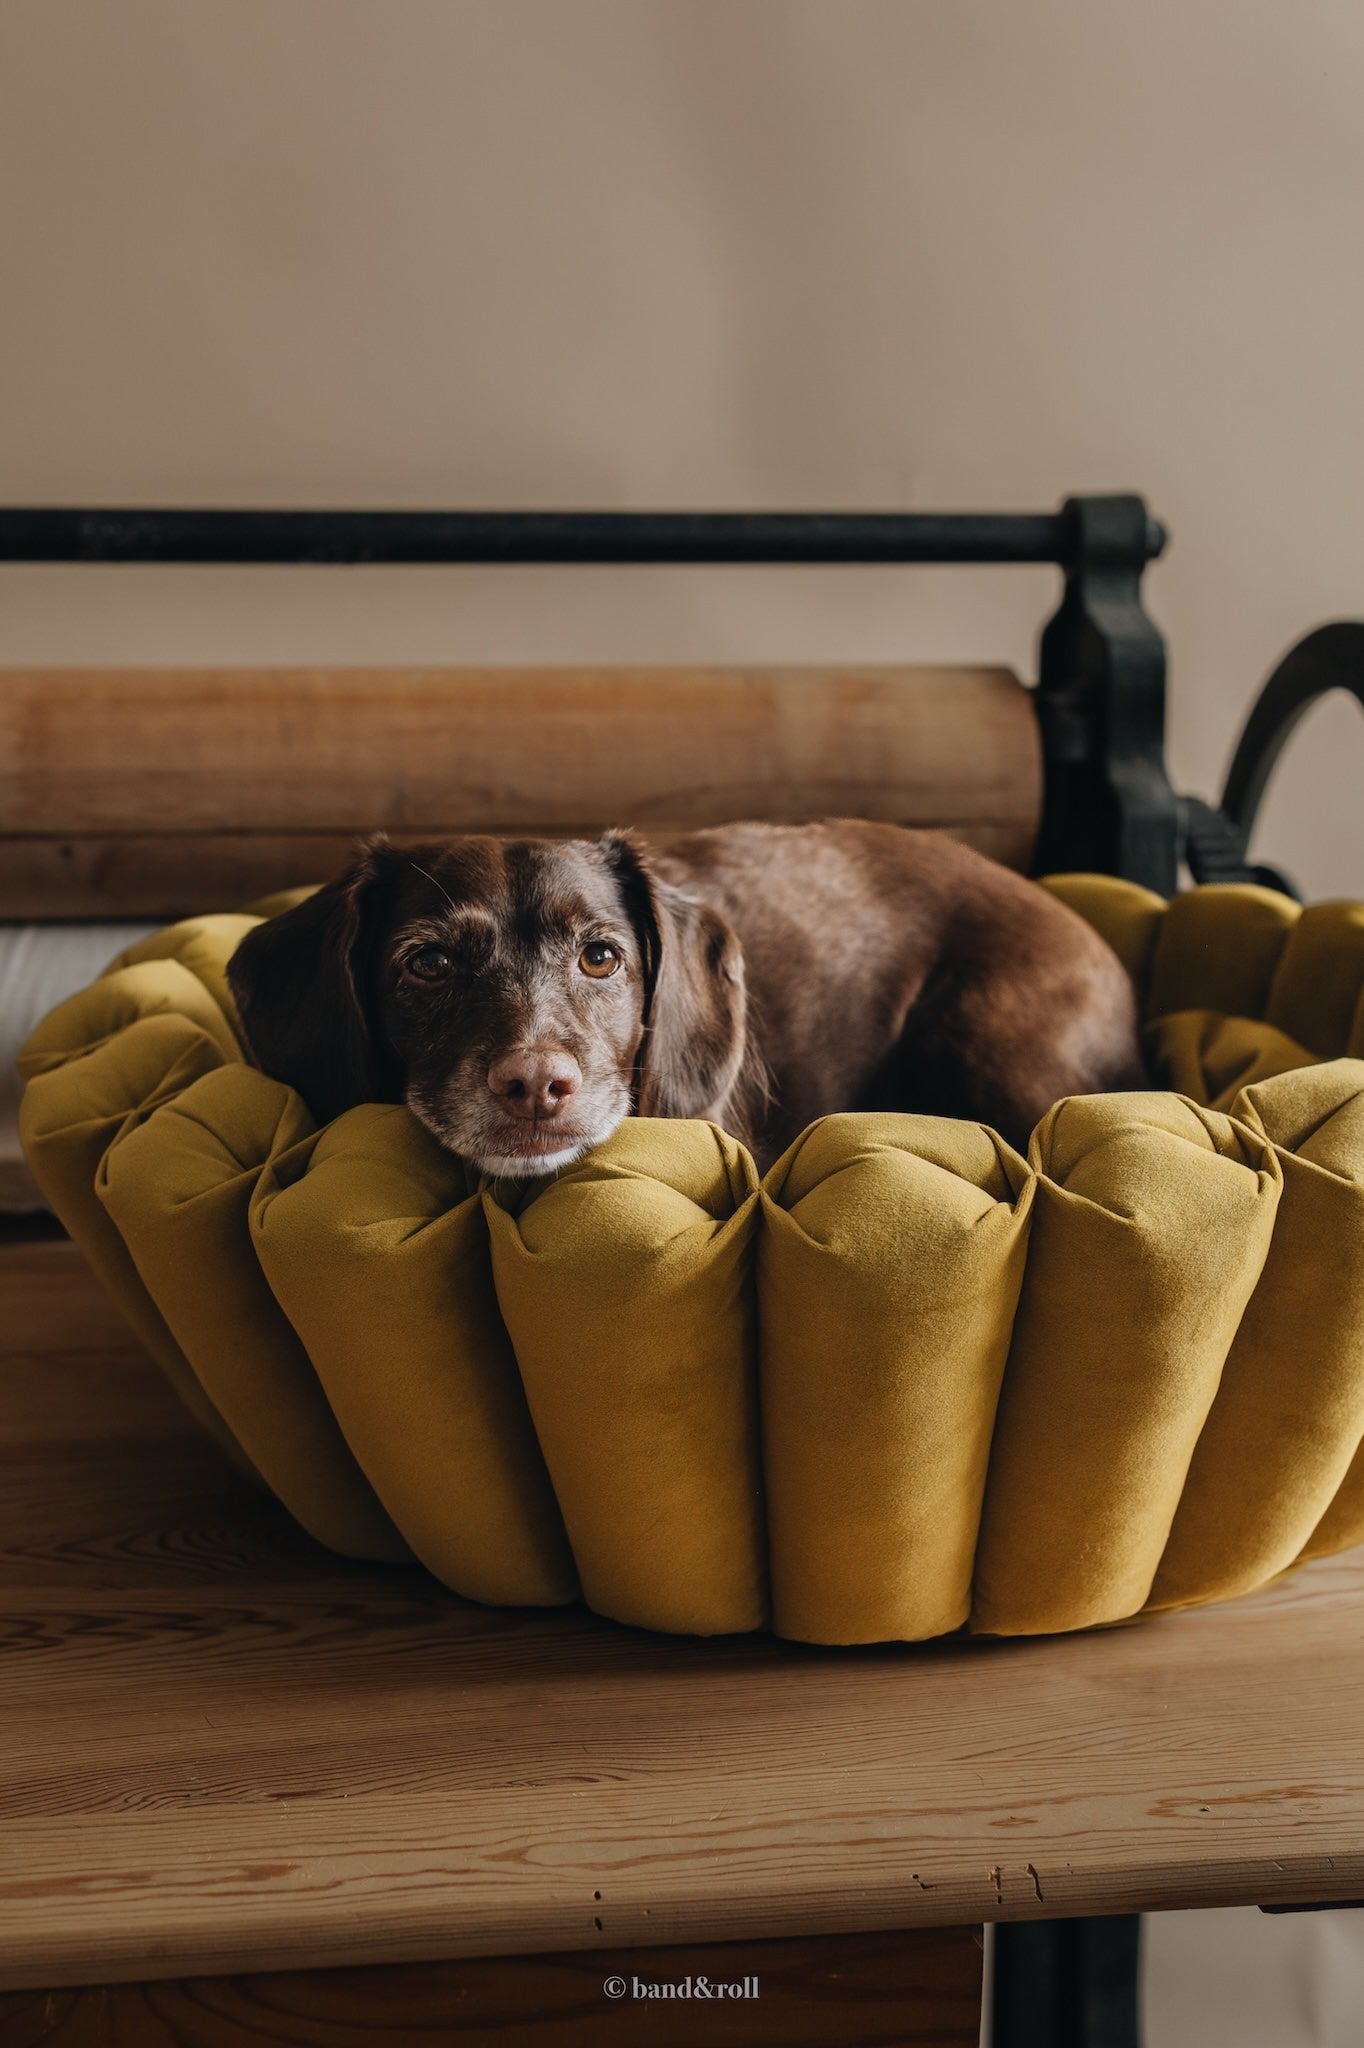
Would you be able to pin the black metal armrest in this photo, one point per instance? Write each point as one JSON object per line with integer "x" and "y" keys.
{"x": 1215, "y": 840}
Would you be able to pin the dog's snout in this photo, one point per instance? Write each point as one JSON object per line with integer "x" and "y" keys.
{"x": 535, "y": 1082}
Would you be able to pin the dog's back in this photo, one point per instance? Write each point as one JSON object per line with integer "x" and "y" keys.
{"x": 890, "y": 968}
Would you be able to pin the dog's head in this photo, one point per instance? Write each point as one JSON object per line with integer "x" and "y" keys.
{"x": 522, "y": 998}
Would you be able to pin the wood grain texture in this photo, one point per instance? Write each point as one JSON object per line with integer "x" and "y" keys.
{"x": 224, "y": 1750}
{"x": 137, "y": 876}
{"x": 158, "y": 791}
{"x": 49, "y": 1298}
{"x": 920, "y": 1989}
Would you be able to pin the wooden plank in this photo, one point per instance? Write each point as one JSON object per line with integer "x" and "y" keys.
{"x": 224, "y": 1750}
{"x": 863, "y": 1991}
{"x": 155, "y": 750}
{"x": 50, "y": 1300}
{"x": 91, "y": 757}
{"x": 168, "y": 876}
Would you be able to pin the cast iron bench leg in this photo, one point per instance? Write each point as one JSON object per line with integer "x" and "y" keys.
{"x": 1067, "y": 1983}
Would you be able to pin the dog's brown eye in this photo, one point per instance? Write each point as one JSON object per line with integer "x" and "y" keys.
{"x": 428, "y": 963}
{"x": 599, "y": 959}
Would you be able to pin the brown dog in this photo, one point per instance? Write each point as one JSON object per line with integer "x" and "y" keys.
{"x": 524, "y": 997}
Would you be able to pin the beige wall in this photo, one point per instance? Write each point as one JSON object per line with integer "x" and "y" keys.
{"x": 692, "y": 253}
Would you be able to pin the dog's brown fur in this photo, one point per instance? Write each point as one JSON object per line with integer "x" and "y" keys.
{"x": 765, "y": 975}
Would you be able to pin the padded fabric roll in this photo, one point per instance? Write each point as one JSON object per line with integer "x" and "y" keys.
{"x": 123, "y": 996}
{"x": 1316, "y": 995}
{"x": 1219, "y": 949}
{"x": 201, "y": 945}
{"x": 1294, "y": 1377}
{"x": 889, "y": 1268}
{"x": 1342, "y": 1526}
{"x": 373, "y": 1240}
{"x": 1150, "y": 1228}
{"x": 178, "y": 1188}
{"x": 1315, "y": 990}
{"x": 1211, "y": 1058}
{"x": 87, "y": 1088}
{"x": 626, "y": 1286}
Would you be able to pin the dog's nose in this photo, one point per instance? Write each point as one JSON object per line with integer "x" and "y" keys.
{"x": 534, "y": 1082}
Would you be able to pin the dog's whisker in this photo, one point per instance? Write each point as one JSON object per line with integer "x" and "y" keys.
{"x": 434, "y": 883}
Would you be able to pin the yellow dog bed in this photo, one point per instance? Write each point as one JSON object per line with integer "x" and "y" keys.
{"x": 908, "y": 1381}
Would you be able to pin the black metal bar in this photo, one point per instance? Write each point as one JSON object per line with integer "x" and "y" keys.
{"x": 1107, "y": 804}
{"x": 1067, "y": 1983}
{"x": 66, "y": 534}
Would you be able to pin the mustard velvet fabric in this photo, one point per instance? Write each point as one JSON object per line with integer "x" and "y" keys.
{"x": 178, "y": 1188}
{"x": 889, "y": 1269}
{"x": 202, "y": 946}
{"x": 1315, "y": 994}
{"x": 1218, "y": 949}
{"x": 626, "y": 1287}
{"x": 909, "y": 1382}
{"x": 1342, "y": 1526}
{"x": 1212, "y": 1058}
{"x": 1289, "y": 1412}
{"x": 372, "y": 1240}
{"x": 95, "y": 1067}
{"x": 1151, "y": 1225}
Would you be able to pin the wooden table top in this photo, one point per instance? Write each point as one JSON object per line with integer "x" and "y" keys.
{"x": 223, "y": 1749}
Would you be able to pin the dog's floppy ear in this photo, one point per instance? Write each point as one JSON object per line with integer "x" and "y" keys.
{"x": 302, "y": 988}
{"x": 692, "y": 1049}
